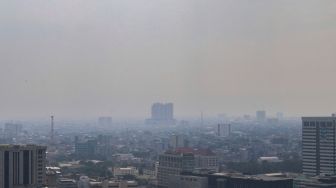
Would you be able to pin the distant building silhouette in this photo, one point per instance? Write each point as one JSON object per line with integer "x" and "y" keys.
{"x": 261, "y": 115}
{"x": 177, "y": 141}
{"x": 85, "y": 148}
{"x": 12, "y": 130}
{"x": 223, "y": 130}
{"x": 162, "y": 114}
{"x": 105, "y": 121}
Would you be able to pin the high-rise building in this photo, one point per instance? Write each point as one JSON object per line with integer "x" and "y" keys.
{"x": 22, "y": 166}
{"x": 105, "y": 121}
{"x": 162, "y": 111}
{"x": 173, "y": 163}
{"x": 261, "y": 115}
{"x": 223, "y": 130}
{"x": 184, "y": 160}
{"x": 177, "y": 141}
{"x": 85, "y": 149}
{"x": 205, "y": 159}
{"x": 319, "y": 145}
{"x": 162, "y": 114}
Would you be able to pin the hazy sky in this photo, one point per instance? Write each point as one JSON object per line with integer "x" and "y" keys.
{"x": 85, "y": 58}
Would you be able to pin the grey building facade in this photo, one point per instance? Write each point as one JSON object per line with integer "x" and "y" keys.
{"x": 319, "y": 145}
{"x": 22, "y": 166}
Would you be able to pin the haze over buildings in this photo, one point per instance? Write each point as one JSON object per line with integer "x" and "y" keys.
{"x": 162, "y": 114}
{"x": 81, "y": 83}
{"x": 85, "y": 58}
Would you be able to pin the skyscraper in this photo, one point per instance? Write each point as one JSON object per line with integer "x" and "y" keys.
{"x": 162, "y": 114}
{"x": 22, "y": 166}
{"x": 319, "y": 145}
{"x": 261, "y": 115}
{"x": 105, "y": 121}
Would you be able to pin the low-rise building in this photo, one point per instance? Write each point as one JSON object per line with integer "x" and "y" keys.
{"x": 187, "y": 181}
{"x": 117, "y": 171}
{"x": 66, "y": 183}
{"x": 222, "y": 180}
{"x": 315, "y": 182}
{"x": 230, "y": 180}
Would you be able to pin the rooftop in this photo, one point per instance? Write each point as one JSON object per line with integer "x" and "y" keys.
{"x": 195, "y": 151}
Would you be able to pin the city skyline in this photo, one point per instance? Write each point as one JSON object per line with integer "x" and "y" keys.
{"x": 167, "y": 94}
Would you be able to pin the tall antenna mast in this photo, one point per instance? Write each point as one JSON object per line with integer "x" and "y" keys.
{"x": 52, "y": 129}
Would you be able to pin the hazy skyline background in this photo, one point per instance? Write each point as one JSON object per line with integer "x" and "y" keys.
{"x": 79, "y": 58}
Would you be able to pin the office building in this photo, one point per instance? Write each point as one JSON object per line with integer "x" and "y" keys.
{"x": 223, "y": 130}
{"x": 85, "y": 149}
{"x": 261, "y": 115}
{"x": 162, "y": 114}
{"x": 177, "y": 141}
{"x": 173, "y": 163}
{"x": 185, "y": 160}
{"x": 22, "y": 166}
{"x": 205, "y": 159}
{"x": 318, "y": 145}
{"x": 118, "y": 171}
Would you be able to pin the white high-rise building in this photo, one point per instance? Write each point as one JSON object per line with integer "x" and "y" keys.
{"x": 319, "y": 145}
{"x": 172, "y": 163}
{"x": 22, "y": 166}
